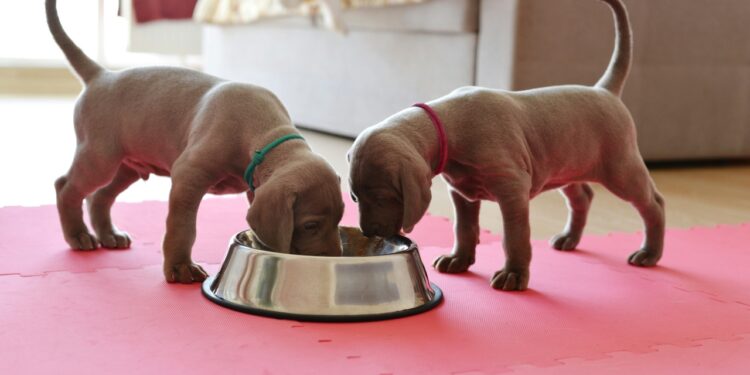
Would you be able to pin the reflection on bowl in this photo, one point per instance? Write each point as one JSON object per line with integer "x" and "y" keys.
{"x": 375, "y": 279}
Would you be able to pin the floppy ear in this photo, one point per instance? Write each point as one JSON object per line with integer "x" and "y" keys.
{"x": 416, "y": 194}
{"x": 271, "y": 217}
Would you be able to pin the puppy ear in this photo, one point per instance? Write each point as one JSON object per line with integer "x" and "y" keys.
{"x": 271, "y": 217}
{"x": 416, "y": 194}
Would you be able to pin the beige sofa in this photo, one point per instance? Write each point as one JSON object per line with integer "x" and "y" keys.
{"x": 689, "y": 91}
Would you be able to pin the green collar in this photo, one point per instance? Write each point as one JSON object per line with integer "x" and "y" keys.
{"x": 261, "y": 154}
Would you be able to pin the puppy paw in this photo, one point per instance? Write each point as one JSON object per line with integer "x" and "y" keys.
{"x": 185, "y": 273}
{"x": 114, "y": 239}
{"x": 452, "y": 263}
{"x": 644, "y": 258}
{"x": 564, "y": 241}
{"x": 510, "y": 280}
{"x": 82, "y": 241}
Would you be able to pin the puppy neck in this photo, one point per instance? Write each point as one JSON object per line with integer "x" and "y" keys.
{"x": 417, "y": 129}
{"x": 276, "y": 157}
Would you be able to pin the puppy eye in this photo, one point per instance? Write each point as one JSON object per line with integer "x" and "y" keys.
{"x": 310, "y": 226}
{"x": 354, "y": 197}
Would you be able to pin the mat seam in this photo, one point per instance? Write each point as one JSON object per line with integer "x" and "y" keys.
{"x": 94, "y": 270}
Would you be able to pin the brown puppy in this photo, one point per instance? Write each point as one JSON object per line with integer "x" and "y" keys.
{"x": 508, "y": 147}
{"x": 201, "y": 131}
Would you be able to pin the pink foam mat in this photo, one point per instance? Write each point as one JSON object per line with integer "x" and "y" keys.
{"x": 586, "y": 311}
{"x": 705, "y": 260}
{"x": 31, "y": 242}
{"x": 700, "y": 357}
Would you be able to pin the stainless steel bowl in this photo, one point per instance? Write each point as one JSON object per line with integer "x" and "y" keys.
{"x": 374, "y": 279}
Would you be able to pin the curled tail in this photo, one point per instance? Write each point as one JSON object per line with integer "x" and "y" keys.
{"x": 614, "y": 78}
{"x": 84, "y": 67}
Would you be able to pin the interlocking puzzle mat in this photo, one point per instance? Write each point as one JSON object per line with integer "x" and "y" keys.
{"x": 31, "y": 242}
{"x": 586, "y": 311}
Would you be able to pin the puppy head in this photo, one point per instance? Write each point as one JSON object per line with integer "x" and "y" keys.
{"x": 299, "y": 208}
{"x": 390, "y": 182}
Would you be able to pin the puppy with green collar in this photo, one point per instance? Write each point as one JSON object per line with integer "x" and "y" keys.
{"x": 203, "y": 132}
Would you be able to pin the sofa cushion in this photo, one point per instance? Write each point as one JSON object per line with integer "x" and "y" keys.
{"x": 338, "y": 84}
{"x": 431, "y": 16}
{"x": 434, "y": 15}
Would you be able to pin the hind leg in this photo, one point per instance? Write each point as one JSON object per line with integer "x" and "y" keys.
{"x": 633, "y": 183}
{"x": 578, "y": 197}
{"x": 100, "y": 203}
{"x": 89, "y": 171}
{"x": 652, "y": 212}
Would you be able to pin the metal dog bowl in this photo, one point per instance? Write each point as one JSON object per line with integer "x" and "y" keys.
{"x": 374, "y": 279}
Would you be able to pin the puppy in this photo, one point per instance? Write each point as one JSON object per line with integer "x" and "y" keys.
{"x": 508, "y": 147}
{"x": 202, "y": 131}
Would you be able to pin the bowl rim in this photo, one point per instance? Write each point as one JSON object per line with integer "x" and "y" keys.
{"x": 437, "y": 298}
{"x": 411, "y": 246}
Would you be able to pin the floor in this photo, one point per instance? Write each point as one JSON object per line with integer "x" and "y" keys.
{"x": 586, "y": 311}
{"x": 37, "y": 144}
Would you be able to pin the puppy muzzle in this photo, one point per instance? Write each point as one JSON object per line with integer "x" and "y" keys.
{"x": 379, "y": 230}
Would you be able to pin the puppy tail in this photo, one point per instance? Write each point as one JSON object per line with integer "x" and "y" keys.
{"x": 84, "y": 67}
{"x": 614, "y": 78}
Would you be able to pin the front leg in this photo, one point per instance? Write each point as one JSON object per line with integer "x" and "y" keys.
{"x": 188, "y": 188}
{"x": 466, "y": 230}
{"x": 514, "y": 204}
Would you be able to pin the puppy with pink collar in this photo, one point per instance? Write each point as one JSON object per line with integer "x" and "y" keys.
{"x": 508, "y": 147}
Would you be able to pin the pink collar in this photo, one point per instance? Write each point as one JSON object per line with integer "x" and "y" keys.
{"x": 442, "y": 139}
